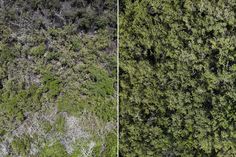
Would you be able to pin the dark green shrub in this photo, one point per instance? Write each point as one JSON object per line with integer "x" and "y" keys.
{"x": 177, "y": 79}
{"x": 101, "y": 83}
{"x": 76, "y": 44}
{"x": 51, "y": 85}
{"x": 6, "y": 54}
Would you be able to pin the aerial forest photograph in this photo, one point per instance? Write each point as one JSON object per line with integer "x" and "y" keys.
{"x": 177, "y": 78}
{"x": 58, "y": 73}
{"x": 117, "y": 78}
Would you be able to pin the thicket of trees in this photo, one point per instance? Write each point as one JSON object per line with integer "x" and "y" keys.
{"x": 57, "y": 60}
{"x": 177, "y": 78}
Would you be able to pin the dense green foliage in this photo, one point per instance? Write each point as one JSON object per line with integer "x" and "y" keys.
{"x": 177, "y": 78}
{"x": 57, "y": 77}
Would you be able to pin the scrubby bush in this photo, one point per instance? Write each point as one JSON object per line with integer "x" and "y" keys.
{"x": 51, "y": 85}
{"x": 100, "y": 83}
{"x": 6, "y": 54}
{"x": 177, "y": 78}
{"x": 56, "y": 58}
{"x": 110, "y": 145}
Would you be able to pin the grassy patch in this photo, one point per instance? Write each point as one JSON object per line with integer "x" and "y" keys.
{"x": 60, "y": 124}
{"x": 21, "y": 146}
{"x": 55, "y": 150}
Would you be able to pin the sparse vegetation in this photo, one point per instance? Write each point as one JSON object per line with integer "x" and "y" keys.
{"x": 57, "y": 65}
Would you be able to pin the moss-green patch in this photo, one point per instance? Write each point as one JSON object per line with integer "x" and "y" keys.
{"x": 21, "y": 146}
{"x": 60, "y": 124}
{"x": 97, "y": 150}
{"x": 94, "y": 95}
{"x": 14, "y": 104}
{"x": 76, "y": 152}
{"x": 55, "y": 150}
{"x": 103, "y": 108}
{"x": 51, "y": 85}
{"x": 47, "y": 126}
{"x": 110, "y": 145}
{"x": 72, "y": 104}
{"x": 6, "y": 53}
{"x": 76, "y": 43}
{"x": 38, "y": 50}
{"x": 101, "y": 83}
{"x": 53, "y": 56}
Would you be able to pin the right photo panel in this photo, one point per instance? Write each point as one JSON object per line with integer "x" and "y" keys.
{"x": 177, "y": 78}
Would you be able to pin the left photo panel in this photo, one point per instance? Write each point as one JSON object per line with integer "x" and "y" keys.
{"x": 58, "y": 69}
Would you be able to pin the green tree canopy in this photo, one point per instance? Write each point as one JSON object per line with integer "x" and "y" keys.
{"x": 177, "y": 78}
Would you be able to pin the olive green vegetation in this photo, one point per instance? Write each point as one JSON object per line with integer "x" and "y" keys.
{"x": 21, "y": 146}
{"x": 109, "y": 145}
{"x": 177, "y": 78}
{"x": 57, "y": 67}
{"x": 56, "y": 150}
